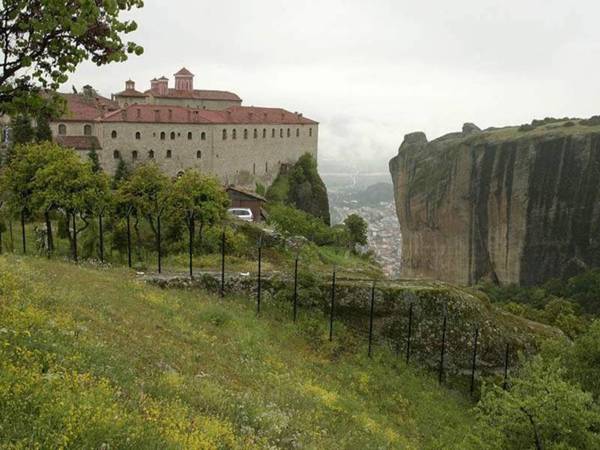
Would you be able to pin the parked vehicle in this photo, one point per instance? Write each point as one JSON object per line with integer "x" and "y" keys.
{"x": 242, "y": 214}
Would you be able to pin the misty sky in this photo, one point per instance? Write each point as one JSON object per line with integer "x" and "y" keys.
{"x": 372, "y": 71}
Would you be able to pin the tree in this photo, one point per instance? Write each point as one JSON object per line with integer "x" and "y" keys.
{"x": 357, "y": 230}
{"x": 95, "y": 161}
{"x": 43, "y": 131}
{"x": 540, "y": 410}
{"x": 22, "y": 130}
{"x": 197, "y": 198}
{"x": 44, "y": 40}
{"x": 147, "y": 190}
{"x": 121, "y": 174}
{"x": 69, "y": 185}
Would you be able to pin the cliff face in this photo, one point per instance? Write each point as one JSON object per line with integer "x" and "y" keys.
{"x": 508, "y": 205}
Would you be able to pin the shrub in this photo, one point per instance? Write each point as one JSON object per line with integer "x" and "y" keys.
{"x": 592, "y": 121}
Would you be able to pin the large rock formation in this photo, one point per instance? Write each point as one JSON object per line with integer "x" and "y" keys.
{"x": 512, "y": 205}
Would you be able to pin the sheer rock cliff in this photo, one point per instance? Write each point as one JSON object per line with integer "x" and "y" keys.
{"x": 509, "y": 205}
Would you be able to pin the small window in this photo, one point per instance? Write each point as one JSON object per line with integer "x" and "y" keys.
{"x": 255, "y": 133}
{"x": 288, "y": 133}
{"x": 189, "y": 135}
{"x": 203, "y": 136}
{"x": 310, "y": 131}
{"x": 264, "y": 133}
{"x": 151, "y": 154}
{"x": 245, "y": 133}
{"x": 281, "y": 133}
{"x": 198, "y": 154}
{"x": 253, "y": 168}
{"x": 297, "y": 132}
{"x": 224, "y": 134}
{"x": 116, "y": 154}
{"x": 134, "y": 155}
{"x": 113, "y": 134}
{"x": 234, "y": 134}
{"x": 62, "y": 129}
{"x": 266, "y": 167}
{"x": 87, "y": 130}
{"x": 170, "y": 114}
{"x": 169, "y": 154}
{"x": 273, "y": 133}
{"x": 162, "y": 135}
{"x": 138, "y": 135}
{"x": 139, "y": 113}
{"x": 172, "y": 135}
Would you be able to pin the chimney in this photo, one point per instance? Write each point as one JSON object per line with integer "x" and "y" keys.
{"x": 130, "y": 85}
{"x": 184, "y": 80}
{"x": 154, "y": 85}
{"x": 162, "y": 85}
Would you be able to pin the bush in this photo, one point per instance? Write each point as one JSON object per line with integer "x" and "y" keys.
{"x": 592, "y": 121}
{"x": 293, "y": 222}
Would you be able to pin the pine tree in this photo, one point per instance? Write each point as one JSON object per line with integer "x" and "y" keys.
{"x": 93, "y": 155}
{"x": 22, "y": 131}
{"x": 43, "y": 131}
{"x": 121, "y": 173}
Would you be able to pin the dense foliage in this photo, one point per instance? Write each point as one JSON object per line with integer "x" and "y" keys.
{"x": 302, "y": 187}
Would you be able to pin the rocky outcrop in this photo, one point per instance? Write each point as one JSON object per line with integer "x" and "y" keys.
{"x": 510, "y": 205}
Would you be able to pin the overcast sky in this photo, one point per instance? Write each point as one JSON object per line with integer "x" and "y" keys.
{"x": 372, "y": 71}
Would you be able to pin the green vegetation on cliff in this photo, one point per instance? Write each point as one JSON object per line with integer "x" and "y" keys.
{"x": 302, "y": 187}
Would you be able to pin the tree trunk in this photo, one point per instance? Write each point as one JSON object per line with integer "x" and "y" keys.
{"x": 12, "y": 238}
{"x": 49, "y": 231}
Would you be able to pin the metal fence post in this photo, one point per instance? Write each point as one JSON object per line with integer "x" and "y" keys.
{"x": 191, "y": 218}
{"x": 223, "y": 264}
{"x": 258, "y": 286}
{"x": 506, "y": 359}
{"x": 443, "y": 350}
{"x": 371, "y": 319}
{"x": 296, "y": 289}
{"x": 128, "y": 217}
{"x": 75, "y": 236}
{"x": 158, "y": 242}
{"x": 23, "y": 238}
{"x": 332, "y": 306}
{"x": 101, "y": 235}
{"x": 474, "y": 362}
{"x": 409, "y": 333}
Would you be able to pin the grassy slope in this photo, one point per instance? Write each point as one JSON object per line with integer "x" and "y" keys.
{"x": 91, "y": 356}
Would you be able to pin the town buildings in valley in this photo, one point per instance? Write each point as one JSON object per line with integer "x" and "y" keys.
{"x": 181, "y": 127}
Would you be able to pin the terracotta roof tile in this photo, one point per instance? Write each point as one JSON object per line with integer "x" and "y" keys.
{"x": 131, "y": 93}
{"x": 83, "y": 108}
{"x": 197, "y": 94}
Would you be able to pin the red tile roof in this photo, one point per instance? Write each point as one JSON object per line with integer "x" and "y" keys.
{"x": 197, "y": 94}
{"x": 78, "y": 142}
{"x": 184, "y": 71}
{"x": 84, "y": 108}
{"x": 131, "y": 93}
{"x": 181, "y": 114}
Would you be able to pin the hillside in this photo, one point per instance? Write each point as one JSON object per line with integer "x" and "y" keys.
{"x": 93, "y": 358}
{"x": 509, "y": 205}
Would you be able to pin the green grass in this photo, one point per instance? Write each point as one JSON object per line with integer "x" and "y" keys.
{"x": 92, "y": 356}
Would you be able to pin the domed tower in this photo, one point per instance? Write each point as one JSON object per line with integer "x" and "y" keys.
{"x": 184, "y": 80}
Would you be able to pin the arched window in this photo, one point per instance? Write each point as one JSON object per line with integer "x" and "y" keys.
{"x": 169, "y": 153}
{"x": 310, "y": 131}
{"x": 87, "y": 130}
{"x": 198, "y": 154}
{"x": 113, "y": 134}
{"x": 172, "y": 135}
{"x": 234, "y": 134}
{"x": 273, "y": 133}
{"x": 203, "y": 136}
{"x": 281, "y": 133}
{"x": 134, "y": 155}
{"x": 255, "y": 133}
{"x": 138, "y": 135}
{"x": 264, "y": 133}
{"x": 189, "y": 135}
{"x": 224, "y": 134}
{"x": 116, "y": 154}
{"x": 151, "y": 154}
{"x": 162, "y": 135}
{"x": 288, "y": 132}
{"x": 62, "y": 129}
{"x": 245, "y": 133}
{"x": 297, "y": 132}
